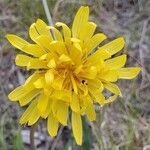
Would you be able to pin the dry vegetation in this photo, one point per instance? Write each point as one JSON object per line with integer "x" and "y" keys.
{"x": 123, "y": 125}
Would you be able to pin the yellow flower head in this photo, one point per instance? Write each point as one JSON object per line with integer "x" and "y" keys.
{"x": 71, "y": 71}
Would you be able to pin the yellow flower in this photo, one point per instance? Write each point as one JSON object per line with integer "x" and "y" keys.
{"x": 71, "y": 71}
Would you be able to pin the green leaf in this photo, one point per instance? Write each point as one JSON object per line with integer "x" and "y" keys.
{"x": 17, "y": 143}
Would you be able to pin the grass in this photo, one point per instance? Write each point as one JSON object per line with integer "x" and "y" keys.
{"x": 122, "y": 125}
{"x": 3, "y": 144}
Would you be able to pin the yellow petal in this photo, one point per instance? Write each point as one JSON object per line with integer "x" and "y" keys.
{"x": 75, "y": 103}
{"x": 48, "y": 109}
{"x": 75, "y": 40}
{"x": 95, "y": 84}
{"x": 98, "y": 58}
{"x": 99, "y": 97}
{"x": 90, "y": 112}
{"x": 23, "y": 90}
{"x": 31, "y": 63}
{"x": 23, "y": 94}
{"x": 89, "y": 73}
{"x": 16, "y": 41}
{"x": 28, "y": 85}
{"x": 34, "y": 116}
{"x": 128, "y": 73}
{"x": 77, "y": 127}
{"x": 51, "y": 64}
{"x": 74, "y": 85}
{"x": 47, "y": 90}
{"x": 37, "y": 29}
{"x": 111, "y": 99}
{"x": 33, "y": 49}
{"x": 113, "y": 88}
{"x": 63, "y": 95}
{"x": 62, "y": 112}
{"x": 28, "y": 97}
{"x": 78, "y": 69}
{"x": 85, "y": 101}
{"x": 80, "y": 20}
{"x": 39, "y": 83}
{"x": 42, "y": 103}
{"x": 92, "y": 43}
{"x": 83, "y": 87}
{"x": 33, "y": 32}
{"x": 16, "y": 94}
{"x": 44, "y": 57}
{"x": 76, "y": 53}
{"x": 44, "y": 41}
{"x": 117, "y": 62}
{"x": 87, "y": 31}
{"x": 49, "y": 76}
{"x": 58, "y": 83}
{"x": 64, "y": 58}
{"x": 66, "y": 30}
{"x": 26, "y": 115}
{"x": 22, "y": 60}
{"x": 57, "y": 48}
{"x": 35, "y": 63}
{"x": 110, "y": 75}
{"x": 52, "y": 125}
{"x": 57, "y": 34}
{"x": 41, "y": 28}
{"x": 114, "y": 46}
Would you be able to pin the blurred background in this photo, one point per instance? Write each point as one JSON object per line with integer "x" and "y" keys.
{"x": 122, "y": 125}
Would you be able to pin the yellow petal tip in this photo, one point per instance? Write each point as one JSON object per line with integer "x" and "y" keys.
{"x": 10, "y": 96}
{"x": 8, "y": 36}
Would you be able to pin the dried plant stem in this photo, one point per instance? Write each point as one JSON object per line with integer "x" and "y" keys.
{"x": 57, "y": 138}
{"x": 47, "y": 12}
{"x": 32, "y": 131}
{"x": 141, "y": 50}
{"x": 48, "y": 15}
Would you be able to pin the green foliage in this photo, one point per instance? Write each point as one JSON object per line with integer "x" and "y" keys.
{"x": 87, "y": 143}
{"x": 17, "y": 141}
{"x": 2, "y": 137}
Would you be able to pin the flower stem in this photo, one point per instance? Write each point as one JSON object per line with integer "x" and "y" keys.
{"x": 32, "y": 131}
{"x": 48, "y": 15}
{"x": 47, "y": 12}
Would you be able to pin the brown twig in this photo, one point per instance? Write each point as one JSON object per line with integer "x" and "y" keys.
{"x": 57, "y": 138}
{"x": 141, "y": 51}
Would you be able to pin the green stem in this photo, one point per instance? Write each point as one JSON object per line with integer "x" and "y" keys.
{"x": 32, "y": 131}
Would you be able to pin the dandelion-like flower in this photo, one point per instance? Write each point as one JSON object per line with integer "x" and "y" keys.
{"x": 71, "y": 72}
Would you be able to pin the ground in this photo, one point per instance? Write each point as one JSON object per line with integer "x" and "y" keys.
{"x": 122, "y": 125}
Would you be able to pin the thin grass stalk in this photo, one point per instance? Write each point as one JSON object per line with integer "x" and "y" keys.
{"x": 32, "y": 142}
{"x": 47, "y": 12}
